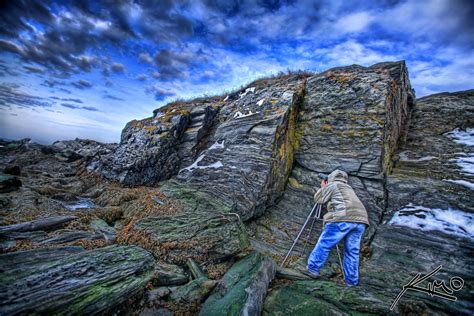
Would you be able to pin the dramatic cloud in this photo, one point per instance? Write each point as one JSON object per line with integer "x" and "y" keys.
{"x": 77, "y": 107}
{"x": 112, "y": 97}
{"x": 5, "y": 71}
{"x": 67, "y": 99}
{"x": 70, "y": 106}
{"x": 117, "y": 68}
{"x": 12, "y": 96}
{"x": 33, "y": 70}
{"x": 141, "y": 77}
{"x": 149, "y": 52}
{"x": 145, "y": 58}
{"x": 51, "y": 83}
{"x": 159, "y": 93}
{"x": 82, "y": 84}
{"x": 90, "y": 108}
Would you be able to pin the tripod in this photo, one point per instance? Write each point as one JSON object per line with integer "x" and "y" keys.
{"x": 315, "y": 217}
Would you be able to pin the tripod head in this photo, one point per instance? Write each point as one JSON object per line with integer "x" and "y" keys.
{"x": 323, "y": 176}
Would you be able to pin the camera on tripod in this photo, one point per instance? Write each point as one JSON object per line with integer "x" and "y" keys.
{"x": 323, "y": 176}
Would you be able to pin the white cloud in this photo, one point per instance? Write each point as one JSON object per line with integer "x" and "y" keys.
{"x": 352, "y": 52}
{"x": 448, "y": 70}
{"x": 354, "y": 23}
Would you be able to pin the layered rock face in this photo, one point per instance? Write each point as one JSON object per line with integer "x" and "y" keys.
{"x": 427, "y": 223}
{"x": 238, "y": 149}
{"x": 352, "y": 119}
{"x": 232, "y": 160}
{"x": 69, "y": 280}
{"x": 206, "y": 196}
{"x": 435, "y": 166}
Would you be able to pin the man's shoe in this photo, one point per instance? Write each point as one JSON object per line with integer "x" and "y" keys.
{"x": 309, "y": 274}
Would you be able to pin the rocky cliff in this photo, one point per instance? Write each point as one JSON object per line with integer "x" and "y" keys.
{"x": 205, "y": 197}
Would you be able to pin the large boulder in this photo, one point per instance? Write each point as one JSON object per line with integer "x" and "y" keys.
{"x": 9, "y": 183}
{"x": 148, "y": 150}
{"x": 435, "y": 167}
{"x": 238, "y": 149}
{"x": 243, "y": 288}
{"x": 203, "y": 236}
{"x": 430, "y": 214}
{"x": 353, "y": 119}
{"x": 69, "y": 280}
{"x": 249, "y": 154}
{"x": 427, "y": 223}
{"x": 48, "y": 223}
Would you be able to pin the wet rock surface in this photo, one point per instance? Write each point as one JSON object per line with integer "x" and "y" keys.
{"x": 243, "y": 288}
{"x": 352, "y": 119}
{"x": 69, "y": 281}
{"x": 197, "y": 205}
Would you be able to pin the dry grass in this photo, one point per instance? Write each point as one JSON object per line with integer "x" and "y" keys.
{"x": 217, "y": 271}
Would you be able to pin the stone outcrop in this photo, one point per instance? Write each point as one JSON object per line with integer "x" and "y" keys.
{"x": 238, "y": 149}
{"x": 202, "y": 182}
{"x": 195, "y": 235}
{"x": 71, "y": 280}
{"x": 352, "y": 119}
{"x": 427, "y": 222}
{"x": 9, "y": 183}
{"x": 243, "y": 288}
{"x": 147, "y": 152}
{"x": 435, "y": 166}
{"x": 39, "y": 224}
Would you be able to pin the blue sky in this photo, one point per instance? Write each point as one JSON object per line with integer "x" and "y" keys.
{"x": 84, "y": 69}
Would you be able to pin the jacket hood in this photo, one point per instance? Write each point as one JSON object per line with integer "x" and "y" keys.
{"x": 337, "y": 175}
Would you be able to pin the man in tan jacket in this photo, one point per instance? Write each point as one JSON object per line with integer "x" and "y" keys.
{"x": 346, "y": 219}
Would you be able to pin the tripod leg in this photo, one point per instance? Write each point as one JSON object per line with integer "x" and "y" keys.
{"x": 318, "y": 212}
{"x": 340, "y": 261}
{"x": 299, "y": 234}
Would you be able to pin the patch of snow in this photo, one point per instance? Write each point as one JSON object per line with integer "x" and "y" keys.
{"x": 462, "y": 137}
{"x": 215, "y": 165}
{"x": 287, "y": 95}
{"x": 240, "y": 115}
{"x": 194, "y": 165}
{"x": 465, "y": 183}
{"x": 465, "y": 162}
{"x": 260, "y": 103}
{"x": 247, "y": 91}
{"x": 159, "y": 114}
{"x": 450, "y": 221}
{"x": 404, "y": 157}
{"x": 83, "y": 203}
{"x": 226, "y": 98}
{"x": 217, "y": 145}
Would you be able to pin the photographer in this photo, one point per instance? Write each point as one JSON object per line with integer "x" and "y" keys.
{"x": 346, "y": 219}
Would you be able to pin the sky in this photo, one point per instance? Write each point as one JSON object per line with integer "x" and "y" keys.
{"x": 85, "y": 68}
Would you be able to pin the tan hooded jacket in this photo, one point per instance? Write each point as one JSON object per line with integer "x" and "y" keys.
{"x": 343, "y": 203}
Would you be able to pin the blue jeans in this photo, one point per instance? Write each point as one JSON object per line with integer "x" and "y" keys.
{"x": 332, "y": 234}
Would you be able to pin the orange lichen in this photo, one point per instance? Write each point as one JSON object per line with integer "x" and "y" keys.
{"x": 217, "y": 271}
{"x": 340, "y": 77}
{"x": 90, "y": 244}
{"x": 151, "y": 129}
{"x": 327, "y": 127}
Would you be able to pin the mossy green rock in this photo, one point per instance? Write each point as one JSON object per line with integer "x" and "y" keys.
{"x": 8, "y": 183}
{"x": 195, "y": 235}
{"x": 323, "y": 298}
{"x": 243, "y": 288}
{"x": 69, "y": 280}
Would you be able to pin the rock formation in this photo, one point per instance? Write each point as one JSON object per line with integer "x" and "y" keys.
{"x": 206, "y": 196}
